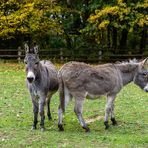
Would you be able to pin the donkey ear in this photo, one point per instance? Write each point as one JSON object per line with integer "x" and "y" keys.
{"x": 26, "y": 48}
{"x": 144, "y": 62}
{"x": 36, "y": 48}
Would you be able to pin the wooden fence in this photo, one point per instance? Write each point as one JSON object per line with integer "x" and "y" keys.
{"x": 64, "y": 55}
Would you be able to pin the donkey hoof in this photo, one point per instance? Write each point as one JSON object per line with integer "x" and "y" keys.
{"x": 49, "y": 118}
{"x": 33, "y": 128}
{"x": 42, "y": 129}
{"x": 114, "y": 122}
{"x": 60, "y": 126}
{"x": 87, "y": 130}
{"x": 106, "y": 125}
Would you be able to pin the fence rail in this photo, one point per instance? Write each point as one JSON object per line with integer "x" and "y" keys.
{"x": 75, "y": 55}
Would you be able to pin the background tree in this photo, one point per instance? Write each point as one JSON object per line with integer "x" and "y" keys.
{"x": 118, "y": 20}
{"x": 113, "y": 26}
{"x": 28, "y": 20}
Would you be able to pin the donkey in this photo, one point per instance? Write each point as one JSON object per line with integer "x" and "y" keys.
{"x": 80, "y": 80}
{"x": 42, "y": 82}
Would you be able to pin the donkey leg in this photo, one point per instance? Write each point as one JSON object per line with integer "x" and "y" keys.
{"x": 108, "y": 109}
{"x": 48, "y": 110}
{"x": 48, "y": 106}
{"x": 35, "y": 112}
{"x": 78, "y": 111}
{"x": 61, "y": 111}
{"x": 41, "y": 112}
{"x": 114, "y": 122}
{"x": 60, "y": 119}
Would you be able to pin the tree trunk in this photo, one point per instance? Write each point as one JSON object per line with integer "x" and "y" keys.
{"x": 70, "y": 4}
{"x": 123, "y": 41}
{"x": 86, "y": 12}
{"x": 68, "y": 41}
{"x": 108, "y": 37}
{"x": 114, "y": 39}
{"x": 143, "y": 39}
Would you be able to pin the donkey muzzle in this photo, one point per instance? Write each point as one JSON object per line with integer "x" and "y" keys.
{"x": 30, "y": 77}
{"x": 146, "y": 88}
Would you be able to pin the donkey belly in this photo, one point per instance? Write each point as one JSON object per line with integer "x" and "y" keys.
{"x": 92, "y": 97}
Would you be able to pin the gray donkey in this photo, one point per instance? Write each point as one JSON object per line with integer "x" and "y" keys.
{"x": 80, "y": 80}
{"x": 42, "y": 82}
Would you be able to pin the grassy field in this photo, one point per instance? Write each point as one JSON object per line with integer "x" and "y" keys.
{"x": 131, "y": 107}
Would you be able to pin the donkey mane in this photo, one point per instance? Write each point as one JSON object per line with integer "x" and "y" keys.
{"x": 127, "y": 67}
{"x": 130, "y": 61}
{"x": 124, "y": 66}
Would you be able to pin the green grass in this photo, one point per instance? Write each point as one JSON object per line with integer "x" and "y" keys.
{"x": 16, "y": 118}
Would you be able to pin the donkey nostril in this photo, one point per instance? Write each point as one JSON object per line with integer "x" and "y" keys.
{"x": 30, "y": 79}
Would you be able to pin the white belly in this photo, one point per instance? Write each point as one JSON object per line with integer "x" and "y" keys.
{"x": 92, "y": 97}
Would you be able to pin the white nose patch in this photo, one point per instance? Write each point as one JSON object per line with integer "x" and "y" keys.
{"x": 146, "y": 88}
{"x": 30, "y": 75}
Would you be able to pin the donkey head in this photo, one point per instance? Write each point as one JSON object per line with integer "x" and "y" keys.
{"x": 141, "y": 78}
{"x": 32, "y": 63}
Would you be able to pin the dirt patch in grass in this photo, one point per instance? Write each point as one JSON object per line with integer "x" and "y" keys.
{"x": 93, "y": 118}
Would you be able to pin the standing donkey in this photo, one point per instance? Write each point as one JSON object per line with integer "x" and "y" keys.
{"x": 81, "y": 81}
{"x": 42, "y": 82}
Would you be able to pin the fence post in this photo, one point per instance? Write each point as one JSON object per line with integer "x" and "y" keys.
{"x": 61, "y": 54}
{"x": 19, "y": 54}
{"x": 100, "y": 55}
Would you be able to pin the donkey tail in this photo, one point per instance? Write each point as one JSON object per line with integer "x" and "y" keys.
{"x": 61, "y": 92}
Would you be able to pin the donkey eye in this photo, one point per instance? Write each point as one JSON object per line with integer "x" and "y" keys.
{"x": 144, "y": 74}
{"x": 36, "y": 63}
